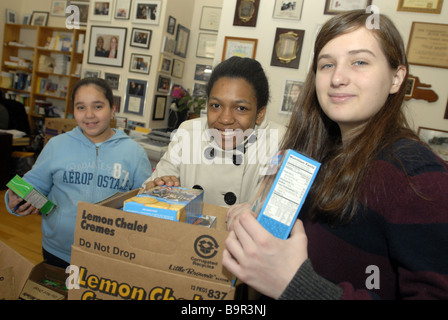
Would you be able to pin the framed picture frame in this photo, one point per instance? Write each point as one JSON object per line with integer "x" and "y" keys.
{"x": 84, "y": 8}
{"x": 291, "y": 92}
{"x": 146, "y": 12}
{"x": 26, "y": 19}
{"x": 135, "y": 96}
{"x": 291, "y": 10}
{"x": 116, "y": 102}
{"x": 178, "y": 68}
{"x": 338, "y": 6}
{"x": 182, "y": 38}
{"x": 163, "y": 84}
{"x": 159, "y": 107}
{"x": 428, "y": 45}
{"x": 287, "y": 49}
{"x": 113, "y": 79}
{"x": 436, "y": 139}
{"x": 39, "y": 18}
{"x": 243, "y": 47}
{"x": 90, "y": 73}
{"x": 210, "y": 18}
{"x": 246, "y": 13}
{"x": 202, "y": 72}
{"x": 122, "y": 9}
{"x": 140, "y": 38}
{"x": 166, "y": 64}
{"x": 140, "y": 63}
{"x": 171, "y": 27}
{"x": 206, "y": 45}
{"x": 101, "y": 10}
{"x": 168, "y": 45}
{"x": 422, "y": 6}
{"x": 58, "y": 8}
{"x": 199, "y": 89}
{"x": 107, "y": 45}
{"x": 11, "y": 16}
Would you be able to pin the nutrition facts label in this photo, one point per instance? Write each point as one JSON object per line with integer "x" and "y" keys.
{"x": 290, "y": 189}
{"x": 36, "y": 199}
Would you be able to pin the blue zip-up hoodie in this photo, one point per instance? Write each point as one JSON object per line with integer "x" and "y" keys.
{"x": 72, "y": 168}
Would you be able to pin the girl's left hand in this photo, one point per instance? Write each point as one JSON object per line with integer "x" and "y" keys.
{"x": 261, "y": 260}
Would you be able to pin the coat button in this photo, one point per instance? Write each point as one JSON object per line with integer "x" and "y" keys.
{"x": 230, "y": 198}
{"x": 198, "y": 187}
{"x": 209, "y": 153}
{"x": 237, "y": 159}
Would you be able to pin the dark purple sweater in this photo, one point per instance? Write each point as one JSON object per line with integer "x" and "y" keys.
{"x": 397, "y": 249}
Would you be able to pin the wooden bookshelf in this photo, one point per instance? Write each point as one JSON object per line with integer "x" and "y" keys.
{"x": 40, "y": 65}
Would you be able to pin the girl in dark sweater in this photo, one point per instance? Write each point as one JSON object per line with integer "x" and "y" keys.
{"x": 375, "y": 225}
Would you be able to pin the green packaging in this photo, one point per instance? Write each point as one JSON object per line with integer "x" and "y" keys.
{"x": 28, "y": 193}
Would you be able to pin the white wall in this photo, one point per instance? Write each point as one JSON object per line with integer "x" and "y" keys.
{"x": 420, "y": 113}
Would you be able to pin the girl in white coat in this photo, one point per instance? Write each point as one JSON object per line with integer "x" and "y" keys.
{"x": 227, "y": 153}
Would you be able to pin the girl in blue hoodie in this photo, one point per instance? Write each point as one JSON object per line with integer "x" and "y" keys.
{"x": 89, "y": 163}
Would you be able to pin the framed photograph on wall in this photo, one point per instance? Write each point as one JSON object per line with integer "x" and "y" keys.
{"x": 436, "y": 139}
{"x": 291, "y": 92}
{"x": 122, "y": 9}
{"x": 101, "y": 10}
{"x": 171, "y": 25}
{"x": 113, "y": 79}
{"x": 89, "y": 73}
{"x": 159, "y": 107}
{"x": 140, "y": 63}
{"x": 135, "y": 96}
{"x": 83, "y": 11}
{"x": 39, "y": 18}
{"x": 166, "y": 64}
{"x": 164, "y": 83}
{"x": 202, "y": 72}
{"x": 147, "y": 12}
{"x": 288, "y": 9}
{"x": 338, "y": 6}
{"x": 58, "y": 8}
{"x": 107, "y": 45}
{"x": 422, "y": 6}
{"x": 140, "y": 38}
{"x": 182, "y": 37}
{"x": 11, "y": 16}
{"x": 243, "y": 47}
{"x": 168, "y": 45}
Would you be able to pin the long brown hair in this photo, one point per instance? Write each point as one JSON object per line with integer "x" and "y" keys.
{"x": 335, "y": 193}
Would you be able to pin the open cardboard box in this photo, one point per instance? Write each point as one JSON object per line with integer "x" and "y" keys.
{"x": 123, "y": 255}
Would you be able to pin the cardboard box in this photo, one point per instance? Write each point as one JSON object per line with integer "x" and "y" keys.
{"x": 123, "y": 255}
{"x": 28, "y": 193}
{"x": 45, "y": 282}
{"x": 171, "y": 203}
{"x": 14, "y": 272}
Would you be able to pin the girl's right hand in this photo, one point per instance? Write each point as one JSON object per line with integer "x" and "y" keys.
{"x": 22, "y": 209}
{"x": 169, "y": 181}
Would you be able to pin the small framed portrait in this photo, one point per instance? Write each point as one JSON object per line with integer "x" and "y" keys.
{"x": 202, "y": 72}
{"x": 182, "y": 38}
{"x": 291, "y": 92}
{"x": 11, "y": 16}
{"x": 135, "y": 96}
{"x": 147, "y": 12}
{"x": 166, "y": 64}
{"x": 436, "y": 139}
{"x": 89, "y": 73}
{"x": 58, "y": 8}
{"x": 171, "y": 25}
{"x": 159, "y": 107}
{"x": 113, "y": 80}
{"x": 101, "y": 10}
{"x": 83, "y": 11}
{"x": 140, "y": 63}
{"x": 107, "y": 45}
{"x": 39, "y": 18}
{"x": 339, "y": 6}
{"x": 163, "y": 85}
{"x": 122, "y": 9}
{"x": 140, "y": 38}
{"x": 288, "y": 9}
{"x": 168, "y": 45}
{"x": 178, "y": 68}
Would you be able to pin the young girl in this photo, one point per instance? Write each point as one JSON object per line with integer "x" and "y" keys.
{"x": 376, "y": 220}
{"x": 225, "y": 153}
{"x": 89, "y": 163}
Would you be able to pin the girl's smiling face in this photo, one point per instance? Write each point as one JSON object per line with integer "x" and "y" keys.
{"x": 93, "y": 113}
{"x": 232, "y": 111}
{"x": 354, "y": 79}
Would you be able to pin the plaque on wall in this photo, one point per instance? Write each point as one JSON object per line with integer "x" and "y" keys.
{"x": 287, "y": 48}
{"x": 246, "y": 13}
